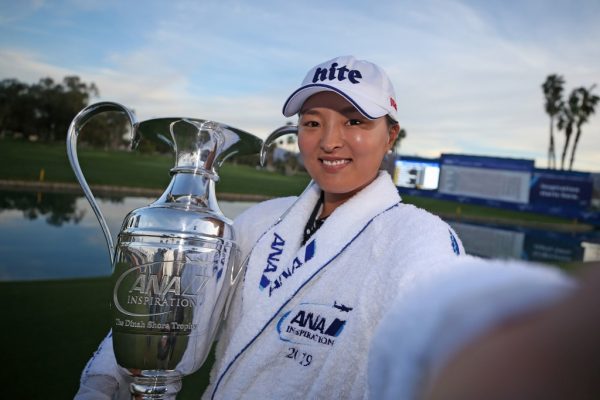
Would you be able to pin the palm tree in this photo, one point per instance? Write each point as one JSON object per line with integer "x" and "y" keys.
{"x": 586, "y": 107}
{"x": 566, "y": 120}
{"x": 553, "y": 88}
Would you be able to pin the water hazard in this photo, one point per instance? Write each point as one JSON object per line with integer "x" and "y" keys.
{"x": 56, "y": 236}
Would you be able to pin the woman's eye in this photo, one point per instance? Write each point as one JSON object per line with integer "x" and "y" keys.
{"x": 354, "y": 122}
{"x": 310, "y": 124}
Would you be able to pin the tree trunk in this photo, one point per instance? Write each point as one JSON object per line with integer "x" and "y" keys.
{"x": 574, "y": 148}
{"x": 568, "y": 131}
{"x": 551, "y": 152}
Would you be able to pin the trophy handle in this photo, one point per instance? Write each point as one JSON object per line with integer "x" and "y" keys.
{"x": 74, "y": 129}
{"x": 276, "y": 134}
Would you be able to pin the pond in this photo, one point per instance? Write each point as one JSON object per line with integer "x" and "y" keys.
{"x": 55, "y": 236}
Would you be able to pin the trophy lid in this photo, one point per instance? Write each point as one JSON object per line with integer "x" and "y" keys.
{"x": 188, "y": 207}
{"x": 200, "y": 145}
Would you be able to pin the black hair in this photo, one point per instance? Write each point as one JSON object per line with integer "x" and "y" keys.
{"x": 390, "y": 121}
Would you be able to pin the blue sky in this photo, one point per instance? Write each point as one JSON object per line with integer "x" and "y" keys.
{"x": 467, "y": 73}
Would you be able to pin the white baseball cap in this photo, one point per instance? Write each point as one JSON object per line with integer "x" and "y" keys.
{"x": 362, "y": 83}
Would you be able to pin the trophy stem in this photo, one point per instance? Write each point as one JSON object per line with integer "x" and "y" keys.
{"x": 186, "y": 188}
{"x": 155, "y": 385}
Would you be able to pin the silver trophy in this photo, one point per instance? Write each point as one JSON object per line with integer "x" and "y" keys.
{"x": 176, "y": 260}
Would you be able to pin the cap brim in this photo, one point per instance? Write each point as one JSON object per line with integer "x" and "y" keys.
{"x": 294, "y": 103}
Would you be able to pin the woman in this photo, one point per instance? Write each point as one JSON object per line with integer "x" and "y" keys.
{"x": 321, "y": 268}
{"x": 320, "y": 277}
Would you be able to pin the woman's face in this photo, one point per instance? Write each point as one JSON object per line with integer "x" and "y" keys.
{"x": 341, "y": 148}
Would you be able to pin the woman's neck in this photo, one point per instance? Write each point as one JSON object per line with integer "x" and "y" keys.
{"x": 331, "y": 202}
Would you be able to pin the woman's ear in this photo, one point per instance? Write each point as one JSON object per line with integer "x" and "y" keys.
{"x": 394, "y": 130}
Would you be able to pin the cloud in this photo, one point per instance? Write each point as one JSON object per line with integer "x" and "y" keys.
{"x": 28, "y": 66}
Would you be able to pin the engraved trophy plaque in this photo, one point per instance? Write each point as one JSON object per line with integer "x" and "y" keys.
{"x": 175, "y": 261}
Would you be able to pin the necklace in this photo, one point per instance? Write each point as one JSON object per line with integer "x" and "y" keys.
{"x": 314, "y": 223}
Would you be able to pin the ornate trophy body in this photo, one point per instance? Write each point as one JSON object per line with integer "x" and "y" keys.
{"x": 176, "y": 260}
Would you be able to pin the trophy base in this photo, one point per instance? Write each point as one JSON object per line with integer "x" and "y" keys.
{"x": 154, "y": 384}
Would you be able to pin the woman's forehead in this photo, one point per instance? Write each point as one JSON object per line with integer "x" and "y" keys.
{"x": 329, "y": 100}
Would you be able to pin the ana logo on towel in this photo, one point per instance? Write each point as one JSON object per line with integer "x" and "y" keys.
{"x": 313, "y": 324}
{"x": 273, "y": 277}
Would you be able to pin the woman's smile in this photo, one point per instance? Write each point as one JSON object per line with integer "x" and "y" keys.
{"x": 335, "y": 163}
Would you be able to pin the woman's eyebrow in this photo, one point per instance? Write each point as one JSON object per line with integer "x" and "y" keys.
{"x": 347, "y": 111}
{"x": 310, "y": 111}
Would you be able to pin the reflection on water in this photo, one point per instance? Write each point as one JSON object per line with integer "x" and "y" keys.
{"x": 55, "y": 236}
{"x": 528, "y": 244}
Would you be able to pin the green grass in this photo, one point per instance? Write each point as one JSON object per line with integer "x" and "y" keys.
{"x": 21, "y": 160}
{"x": 458, "y": 210}
{"x": 51, "y": 329}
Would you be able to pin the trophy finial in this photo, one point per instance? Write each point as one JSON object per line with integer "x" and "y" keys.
{"x": 197, "y": 145}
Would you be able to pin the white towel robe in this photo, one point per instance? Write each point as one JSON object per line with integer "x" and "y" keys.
{"x": 301, "y": 323}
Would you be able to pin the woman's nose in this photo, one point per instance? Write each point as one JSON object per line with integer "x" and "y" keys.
{"x": 332, "y": 138}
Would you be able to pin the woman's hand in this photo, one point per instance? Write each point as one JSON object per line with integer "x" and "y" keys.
{"x": 550, "y": 354}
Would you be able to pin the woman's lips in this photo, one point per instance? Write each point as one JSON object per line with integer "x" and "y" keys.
{"x": 335, "y": 163}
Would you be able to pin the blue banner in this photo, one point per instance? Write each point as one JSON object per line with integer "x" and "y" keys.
{"x": 561, "y": 188}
